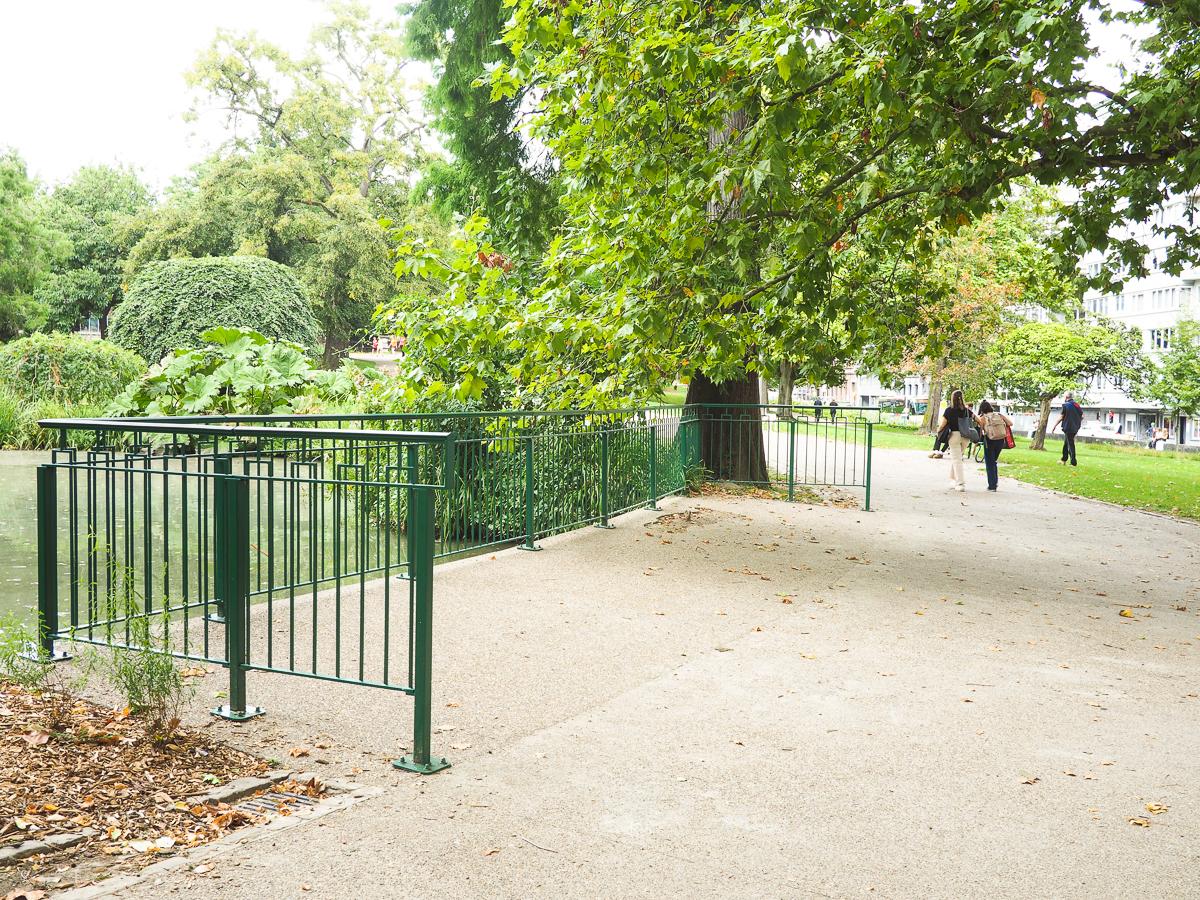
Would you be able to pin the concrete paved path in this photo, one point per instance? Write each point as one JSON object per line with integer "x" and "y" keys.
{"x": 935, "y": 699}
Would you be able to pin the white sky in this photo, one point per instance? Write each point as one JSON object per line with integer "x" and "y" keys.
{"x": 102, "y": 81}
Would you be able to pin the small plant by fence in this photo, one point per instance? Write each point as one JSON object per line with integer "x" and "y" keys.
{"x": 304, "y": 545}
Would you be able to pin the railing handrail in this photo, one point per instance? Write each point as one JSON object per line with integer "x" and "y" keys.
{"x": 164, "y": 426}
{"x": 455, "y": 414}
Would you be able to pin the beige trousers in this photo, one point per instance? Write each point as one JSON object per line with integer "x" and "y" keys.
{"x": 958, "y": 444}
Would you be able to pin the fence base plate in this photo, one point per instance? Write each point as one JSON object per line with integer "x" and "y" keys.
{"x": 215, "y": 618}
{"x": 34, "y": 653}
{"x": 234, "y": 715}
{"x": 601, "y": 525}
{"x": 436, "y": 764}
{"x": 530, "y": 547}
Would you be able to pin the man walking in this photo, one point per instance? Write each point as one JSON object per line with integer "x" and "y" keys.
{"x": 1071, "y": 418}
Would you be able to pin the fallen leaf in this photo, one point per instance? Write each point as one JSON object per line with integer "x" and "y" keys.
{"x": 1139, "y": 821}
{"x": 166, "y": 842}
{"x": 1126, "y": 613}
{"x": 1156, "y": 809}
{"x": 491, "y": 851}
{"x": 298, "y": 752}
{"x": 36, "y": 738}
{"x": 1031, "y": 780}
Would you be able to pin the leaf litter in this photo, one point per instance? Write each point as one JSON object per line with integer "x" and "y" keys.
{"x": 100, "y": 770}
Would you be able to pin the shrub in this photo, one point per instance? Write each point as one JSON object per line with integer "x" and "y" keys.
{"x": 173, "y": 303}
{"x": 147, "y": 677}
{"x": 66, "y": 368}
{"x": 238, "y": 371}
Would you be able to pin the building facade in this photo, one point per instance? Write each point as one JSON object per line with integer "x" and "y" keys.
{"x": 1154, "y": 305}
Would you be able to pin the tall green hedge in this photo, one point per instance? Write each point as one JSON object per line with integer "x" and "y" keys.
{"x": 66, "y": 368}
{"x": 172, "y": 303}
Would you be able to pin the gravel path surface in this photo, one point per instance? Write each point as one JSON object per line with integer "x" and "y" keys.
{"x": 936, "y": 699}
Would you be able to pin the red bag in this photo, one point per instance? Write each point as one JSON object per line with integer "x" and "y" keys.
{"x": 1009, "y": 443}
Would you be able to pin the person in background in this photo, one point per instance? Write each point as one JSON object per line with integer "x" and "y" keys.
{"x": 817, "y": 407}
{"x": 833, "y": 409}
{"x": 995, "y": 427}
{"x": 954, "y": 420}
{"x": 941, "y": 443}
{"x": 1070, "y": 418}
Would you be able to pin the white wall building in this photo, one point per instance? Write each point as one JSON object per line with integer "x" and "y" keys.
{"x": 1154, "y": 305}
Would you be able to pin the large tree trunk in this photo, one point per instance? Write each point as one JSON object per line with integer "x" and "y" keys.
{"x": 933, "y": 410}
{"x": 731, "y": 438}
{"x": 335, "y": 349}
{"x": 1039, "y": 434}
{"x": 764, "y": 392}
{"x": 787, "y": 384}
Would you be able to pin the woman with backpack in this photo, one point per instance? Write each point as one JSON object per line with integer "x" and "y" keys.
{"x": 961, "y": 423}
{"x": 997, "y": 428}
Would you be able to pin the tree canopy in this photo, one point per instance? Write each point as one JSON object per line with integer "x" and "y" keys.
{"x": 718, "y": 159}
{"x": 1175, "y": 380}
{"x": 95, "y": 211}
{"x": 29, "y": 247}
{"x": 1037, "y": 361}
{"x": 491, "y": 170}
{"x": 322, "y": 146}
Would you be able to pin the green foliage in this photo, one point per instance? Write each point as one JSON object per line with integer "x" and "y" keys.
{"x": 1175, "y": 380}
{"x": 719, "y": 158}
{"x": 96, "y": 211}
{"x": 491, "y": 170}
{"x": 146, "y": 675}
{"x": 19, "y": 662}
{"x": 322, "y": 147}
{"x": 173, "y": 303}
{"x": 1037, "y": 361}
{"x": 238, "y": 371}
{"x": 483, "y": 338}
{"x": 23, "y": 664}
{"x": 66, "y": 368}
{"x": 29, "y": 247}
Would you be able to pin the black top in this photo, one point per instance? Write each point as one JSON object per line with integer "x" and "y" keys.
{"x": 1072, "y": 416}
{"x": 952, "y": 417}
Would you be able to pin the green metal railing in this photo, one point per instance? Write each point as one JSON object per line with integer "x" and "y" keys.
{"x": 254, "y": 548}
{"x": 304, "y": 545}
{"x": 768, "y": 444}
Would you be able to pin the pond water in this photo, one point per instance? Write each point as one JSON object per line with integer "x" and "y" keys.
{"x": 18, "y": 530}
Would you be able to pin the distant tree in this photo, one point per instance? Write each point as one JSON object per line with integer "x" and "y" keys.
{"x": 491, "y": 170}
{"x": 1175, "y": 380}
{"x": 322, "y": 148}
{"x": 94, "y": 210}
{"x": 30, "y": 245}
{"x": 1037, "y": 361}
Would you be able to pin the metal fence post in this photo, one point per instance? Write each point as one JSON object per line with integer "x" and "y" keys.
{"x": 603, "y": 523}
{"x": 47, "y": 566}
{"x": 867, "y": 498}
{"x": 222, "y": 464}
{"x": 231, "y": 564}
{"x": 791, "y": 468}
{"x": 420, "y": 523}
{"x": 529, "y": 496}
{"x": 653, "y": 504}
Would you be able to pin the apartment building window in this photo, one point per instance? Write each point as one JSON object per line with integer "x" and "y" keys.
{"x": 1119, "y": 303}
{"x": 1160, "y": 338}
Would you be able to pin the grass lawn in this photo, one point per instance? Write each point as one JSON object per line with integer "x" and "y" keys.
{"x": 1132, "y": 476}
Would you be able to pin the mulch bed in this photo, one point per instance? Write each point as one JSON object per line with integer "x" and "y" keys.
{"x": 98, "y": 769}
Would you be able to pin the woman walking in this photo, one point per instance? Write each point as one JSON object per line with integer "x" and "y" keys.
{"x": 995, "y": 426}
{"x": 961, "y": 422}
